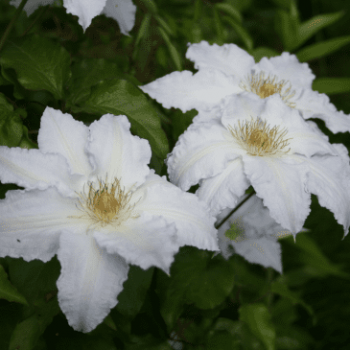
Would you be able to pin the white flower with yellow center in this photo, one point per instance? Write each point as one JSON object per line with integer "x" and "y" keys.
{"x": 268, "y": 145}
{"x": 123, "y": 11}
{"x": 252, "y": 233}
{"x": 91, "y": 198}
{"x": 227, "y": 69}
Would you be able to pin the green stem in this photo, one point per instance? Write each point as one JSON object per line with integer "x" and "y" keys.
{"x": 233, "y": 210}
{"x": 12, "y": 23}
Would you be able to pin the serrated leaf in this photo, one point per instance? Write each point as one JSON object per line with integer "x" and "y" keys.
{"x": 322, "y": 49}
{"x": 8, "y": 291}
{"x": 120, "y": 97}
{"x": 331, "y": 86}
{"x": 258, "y": 319}
{"x": 40, "y": 63}
{"x": 310, "y": 27}
{"x": 174, "y": 54}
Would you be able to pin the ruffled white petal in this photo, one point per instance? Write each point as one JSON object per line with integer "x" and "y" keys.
{"x": 223, "y": 190}
{"x": 61, "y": 133}
{"x": 186, "y": 91}
{"x": 194, "y": 224}
{"x": 115, "y": 151}
{"x": 123, "y": 11}
{"x": 281, "y": 184}
{"x": 201, "y": 152}
{"x": 144, "y": 241}
{"x": 312, "y": 104}
{"x": 228, "y": 58}
{"x": 86, "y": 10}
{"x": 34, "y": 170}
{"x": 329, "y": 179}
{"x": 287, "y": 67}
{"x": 90, "y": 281}
{"x": 302, "y": 138}
{"x": 31, "y": 222}
{"x": 32, "y": 5}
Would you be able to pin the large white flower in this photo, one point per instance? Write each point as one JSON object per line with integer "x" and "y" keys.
{"x": 123, "y": 11}
{"x": 227, "y": 69}
{"x": 268, "y": 145}
{"x": 91, "y": 198}
{"x": 252, "y": 233}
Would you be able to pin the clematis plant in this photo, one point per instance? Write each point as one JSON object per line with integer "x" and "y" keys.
{"x": 268, "y": 145}
{"x": 228, "y": 69}
{"x": 123, "y": 11}
{"x": 91, "y": 198}
{"x": 252, "y": 233}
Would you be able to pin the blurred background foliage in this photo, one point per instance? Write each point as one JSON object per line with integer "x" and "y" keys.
{"x": 224, "y": 305}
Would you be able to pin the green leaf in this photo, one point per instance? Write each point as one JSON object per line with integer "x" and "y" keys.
{"x": 11, "y": 127}
{"x": 286, "y": 28}
{"x": 229, "y": 10}
{"x": 282, "y": 289}
{"x": 218, "y": 27}
{"x": 131, "y": 299}
{"x": 331, "y": 86}
{"x": 317, "y": 261}
{"x": 8, "y": 291}
{"x": 322, "y": 49}
{"x": 164, "y": 25}
{"x": 25, "y": 141}
{"x": 144, "y": 27}
{"x": 40, "y": 64}
{"x": 310, "y": 27}
{"x": 257, "y": 317}
{"x": 261, "y": 52}
{"x": 87, "y": 73}
{"x": 242, "y": 33}
{"x": 121, "y": 97}
{"x": 174, "y": 54}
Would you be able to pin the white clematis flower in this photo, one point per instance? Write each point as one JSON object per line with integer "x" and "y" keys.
{"x": 268, "y": 145}
{"x": 96, "y": 228}
{"x": 227, "y": 69}
{"x": 123, "y": 11}
{"x": 252, "y": 233}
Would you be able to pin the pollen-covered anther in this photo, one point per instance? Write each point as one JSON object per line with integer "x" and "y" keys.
{"x": 258, "y": 139}
{"x": 265, "y": 87}
{"x": 108, "y": 204}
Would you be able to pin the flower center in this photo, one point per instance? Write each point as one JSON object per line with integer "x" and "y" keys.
{"x": 265, "y": 87}
{"x": 108, "y": 204}
{"x": 260, "y": 140}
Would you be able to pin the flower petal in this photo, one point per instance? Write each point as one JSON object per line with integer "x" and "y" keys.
{"x": 85, "y": 10}
{"x": 31, "y": 222}
{"x": 280, "y": 184}
{"x": 223, "y": 190}
{"x": 144, "y": 241}
{"x": 194, "y": 224}
{"x": 302, "y": 137}
{"x": 90, "y": 281}
{"x": 228, "y": 58}
{"x": 123, "y": 11}
{"x": 329, "y": 179}
{"x": 287, "y": 67}
{"x": 116, "y": 152}
{"x": 315, "y": 105}
{"x": 61, "y": 133}
{"x": 32, "y": 5}
{"x": 201, "y": 152}
{"x": 34, "y": 170}
{"x": 186, "y": 91}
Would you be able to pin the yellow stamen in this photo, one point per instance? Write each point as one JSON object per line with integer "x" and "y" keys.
{"x": 258, "y": 139}
{"x": 265, "y": 87}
